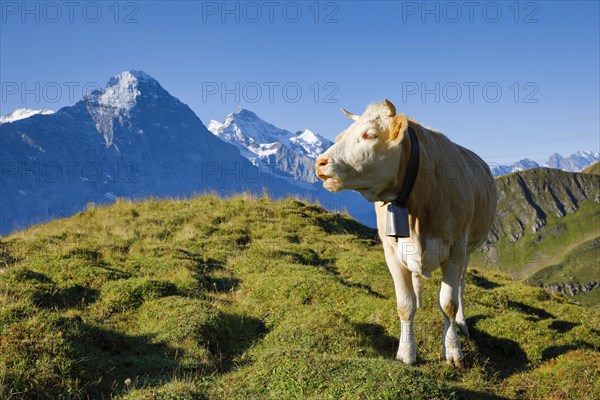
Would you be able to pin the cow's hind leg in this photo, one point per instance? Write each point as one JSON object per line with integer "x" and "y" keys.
{"x": 449, "y": 304}
{"x": 417, "y": 286}
{"x": 461, "y": 322}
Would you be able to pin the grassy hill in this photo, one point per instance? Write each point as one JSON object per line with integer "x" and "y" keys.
{"x": 547, "y": 229}
{"x": 249, "y": 298}
{"x": 593, "y": 169}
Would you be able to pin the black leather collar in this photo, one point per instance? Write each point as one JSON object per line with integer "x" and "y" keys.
{"x": 411, "y": 173}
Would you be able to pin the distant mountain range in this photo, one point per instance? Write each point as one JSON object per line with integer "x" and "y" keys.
{"x": 133, "y": 139}
{"x": 574, "y": 163}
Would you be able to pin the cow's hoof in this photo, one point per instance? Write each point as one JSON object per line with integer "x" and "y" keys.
{"x": 456, "y": 363}
{"x": 406, "y": 360}
{"x": 407, "y": 355}
{"x": 452, "y": 354}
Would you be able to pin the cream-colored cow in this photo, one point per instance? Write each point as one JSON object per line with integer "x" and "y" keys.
{"x": 451, "y": 208}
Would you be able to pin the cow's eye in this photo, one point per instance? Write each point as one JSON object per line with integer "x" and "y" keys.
{"x": 369, "y": 136}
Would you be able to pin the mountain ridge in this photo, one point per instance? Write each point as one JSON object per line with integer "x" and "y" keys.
{"x": 264, "y": 150}
{"x": 23, "y": 113}
{"x": 576, "y": 162}
{"x": 117, "y": 142}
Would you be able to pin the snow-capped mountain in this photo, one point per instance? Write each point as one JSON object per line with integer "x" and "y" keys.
{"x": 22, "y": 113}
{"x": 115, "y": 102}
{"x": 574, "y": 163}
{"x": 520, "y": 165}
{"x": 288, "y": 154}
{"x": 312, "y": 143}
{"x": 133, "y": 139}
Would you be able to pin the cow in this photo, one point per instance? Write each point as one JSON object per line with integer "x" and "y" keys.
{"x": 451, "y": 207}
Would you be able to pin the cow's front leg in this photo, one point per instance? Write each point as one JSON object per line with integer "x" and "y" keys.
{"x": 449, "y": 303}
{"x": 406, "y": 304}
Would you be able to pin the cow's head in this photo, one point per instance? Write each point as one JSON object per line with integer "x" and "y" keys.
{"x": 366, "y": 156}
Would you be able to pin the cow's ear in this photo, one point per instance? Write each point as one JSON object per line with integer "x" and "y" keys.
{"x": 398, "y": 127}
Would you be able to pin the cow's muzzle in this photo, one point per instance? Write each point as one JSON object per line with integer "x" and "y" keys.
{"x": 323, "y": 169}
{"x": 320, "y": 164}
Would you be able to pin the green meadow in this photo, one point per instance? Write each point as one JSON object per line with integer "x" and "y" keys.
{"x": 249, "y": 298}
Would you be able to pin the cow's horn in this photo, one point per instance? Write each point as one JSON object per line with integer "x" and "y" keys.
{"x": 391, "y": 107}
{"x": 349, "y": 114}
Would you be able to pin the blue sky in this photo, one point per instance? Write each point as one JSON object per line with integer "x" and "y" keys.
{"x": 508, "y": 80}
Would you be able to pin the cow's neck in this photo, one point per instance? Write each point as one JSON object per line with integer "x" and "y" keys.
{"x": 399, "y": 191}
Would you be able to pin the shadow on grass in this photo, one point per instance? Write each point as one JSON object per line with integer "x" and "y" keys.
{"x": 94, "y": 258}
{"x": 310, "y": 258}
{"x": 563, "y": 326}
{"x": 374, "y": 336}
{"x": 555, "y": 351}
{"x": 6, "y": 257}
{"x": 85, "y": 254}
{"x": 505, "y": 356}
{"x": 362, "y": 286}
{"x": 70, "y": 297}
{"x": 481, "y": 281}
{"x": 356, "y": 285}
{"x": 46, "y": 294}
{"x": 327, "y": 265}
{"x": 102, "y": 359}
{"x": 339, "y": 224}
{"x": 534, "y": 314}
{"x": 236, "y": 333}
{"x": 115, "y": 273}
{"x": 202, "y": 264}
{"x": 202, "y": 267}
{"x": 29, "y": 276}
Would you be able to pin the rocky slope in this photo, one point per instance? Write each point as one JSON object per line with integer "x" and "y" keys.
{"x": 545, "y": 220}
